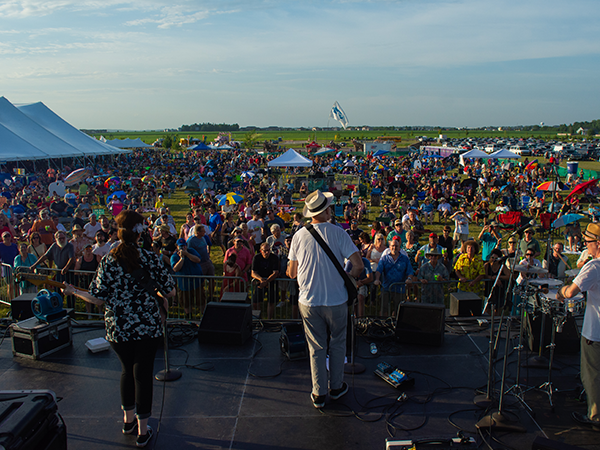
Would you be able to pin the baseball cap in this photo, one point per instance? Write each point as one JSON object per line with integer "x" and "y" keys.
{"x": 181, "y": 242}
{"x": 433, "y": 235}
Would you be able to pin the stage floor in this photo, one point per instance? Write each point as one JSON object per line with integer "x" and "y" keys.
{"x": 252, "y": 397}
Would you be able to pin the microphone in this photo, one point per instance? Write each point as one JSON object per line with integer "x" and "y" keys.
{"x": 523, "y": 228}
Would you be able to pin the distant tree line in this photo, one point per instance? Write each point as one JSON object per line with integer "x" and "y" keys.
{"x": 210, "y": 127}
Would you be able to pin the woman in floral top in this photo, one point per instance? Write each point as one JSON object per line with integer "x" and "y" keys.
{"x": 133, "y": 318}
{"x": 469, "y": 266}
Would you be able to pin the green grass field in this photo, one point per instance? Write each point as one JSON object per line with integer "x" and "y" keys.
{"x": 289, "y": 136}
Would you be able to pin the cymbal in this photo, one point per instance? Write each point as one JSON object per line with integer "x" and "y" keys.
{"x": 523, "y": 268}
{"x": 572, "y": 272}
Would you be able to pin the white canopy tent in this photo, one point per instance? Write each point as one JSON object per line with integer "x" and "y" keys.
{"x": 476, "y": 154}
{"x": 291, "y": 158}
{"x": 34, "y": 132}
{"x": 504, "y": 154}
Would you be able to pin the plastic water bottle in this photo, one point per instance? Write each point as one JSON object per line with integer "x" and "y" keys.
{"x": 373, "y": 348}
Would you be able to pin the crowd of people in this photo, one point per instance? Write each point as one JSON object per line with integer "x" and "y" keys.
{"x": 414, "y": 196}
{"x": 260, "y": 239}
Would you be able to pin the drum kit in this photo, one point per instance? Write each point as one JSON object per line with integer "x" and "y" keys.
{"x": 540, "y": 295}
{"x": 530, "y": 296}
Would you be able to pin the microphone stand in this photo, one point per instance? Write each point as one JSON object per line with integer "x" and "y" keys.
{"x": 516, "y": 388}
{"x": 539, "y": 360}
{"x": 167, "y": 374}
{"x": 485, "y": 401}
{"x": 353, "y": 367}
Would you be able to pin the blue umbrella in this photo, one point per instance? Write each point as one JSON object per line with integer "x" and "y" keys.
{"x": 120, "y": 194}
{"x": 381, "y": 152}
{"x": 566, "y": 220}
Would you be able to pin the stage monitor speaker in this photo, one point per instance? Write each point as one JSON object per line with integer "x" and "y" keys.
{"x": 421, "y": 324}
{"x": 293, "y": 341}
{"x": 235, "y": 297}
{"x": 465, "y": 304}
{"x": 567, "y": 341}
{"x": 20, "y": 307}
{"x": 225, "y": 323}
{"x": 541, "y": 443}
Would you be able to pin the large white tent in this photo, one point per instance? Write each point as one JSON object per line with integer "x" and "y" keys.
{"x": 291, "y": 158}
{"x": 44, "y": 116}
{"x": 34, "y": 132}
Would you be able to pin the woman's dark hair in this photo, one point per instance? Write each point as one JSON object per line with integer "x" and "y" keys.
{"x": 127, "y": 253}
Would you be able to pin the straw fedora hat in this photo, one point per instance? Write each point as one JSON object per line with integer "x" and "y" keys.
{"x": 316, "y": 202}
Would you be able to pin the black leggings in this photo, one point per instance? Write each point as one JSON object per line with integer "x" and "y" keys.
{"x": 137, "y": 377}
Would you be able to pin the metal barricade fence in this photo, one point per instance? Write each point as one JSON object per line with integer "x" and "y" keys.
{"x": 193, "y": 292}
{"x": 7, "y": 284}
{"x": 278, "y": 303}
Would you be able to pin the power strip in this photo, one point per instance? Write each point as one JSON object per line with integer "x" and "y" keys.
{"x": 393, "y": 376}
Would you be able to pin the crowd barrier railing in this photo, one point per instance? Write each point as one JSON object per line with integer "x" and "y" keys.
{"x": 278, "y": 303}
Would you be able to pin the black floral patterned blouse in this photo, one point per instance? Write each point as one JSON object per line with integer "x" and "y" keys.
{"x": 131, "y": 313}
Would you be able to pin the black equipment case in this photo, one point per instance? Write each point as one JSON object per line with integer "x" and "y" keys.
{"x": 29, "y": 420}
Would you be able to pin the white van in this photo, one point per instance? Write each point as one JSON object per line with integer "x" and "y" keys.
{"x": 520, "y": 150}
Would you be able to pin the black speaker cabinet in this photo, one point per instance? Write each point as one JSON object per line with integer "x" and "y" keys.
{"x": 225, "y": 323}
{"x": 465, "y": 304}
{"x": 421, "y": 324}
{"x": 567, "y": 341}
{"x": 20, "y": 307}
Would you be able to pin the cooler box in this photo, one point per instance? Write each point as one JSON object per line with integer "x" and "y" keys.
{"x": 29, "y": 420}
{"x": 34, "y": 339}
{"x": 572, "y": 168}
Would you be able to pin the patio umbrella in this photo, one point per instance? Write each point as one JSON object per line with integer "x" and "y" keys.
{"x": 233, "y": 198}
{"x": 580, "y": 188}
{"x": 112, "y": 181}
{"x": 248, "y": 174}
{"x": 324, "y": 150}
{"x": 190, "y": 185}
{"x": 566, "y": 220}
{"x": 350, "y": 164}
{"x": 381, "y": 152}
{"x": 120, "y": 194}
{"x": 551, "y": 186}
{"x": 77, "y": 176}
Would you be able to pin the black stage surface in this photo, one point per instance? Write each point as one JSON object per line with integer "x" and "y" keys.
{"x": 252, "y": 397}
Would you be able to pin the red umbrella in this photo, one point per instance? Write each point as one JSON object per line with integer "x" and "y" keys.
{"x": 580, "y": 188}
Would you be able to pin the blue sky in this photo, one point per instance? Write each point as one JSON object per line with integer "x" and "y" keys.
{"x": 163, "y": 63}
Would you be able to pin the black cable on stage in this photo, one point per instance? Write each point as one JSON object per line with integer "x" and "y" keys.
{"x": 455, "y": 425}
{"x": 4, "y": 335}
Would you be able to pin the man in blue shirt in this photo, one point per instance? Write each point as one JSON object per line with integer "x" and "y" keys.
{"x": 395, "y": 268}
{"x": 490, "y": 239}
{"x": 186, "y": 261}
{"x": 215, "y": 222}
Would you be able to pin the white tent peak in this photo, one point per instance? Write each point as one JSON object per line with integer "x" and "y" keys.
{"x": 291, "y": 158}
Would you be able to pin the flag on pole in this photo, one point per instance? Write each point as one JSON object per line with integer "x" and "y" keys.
{"x": 338, "y": 114}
